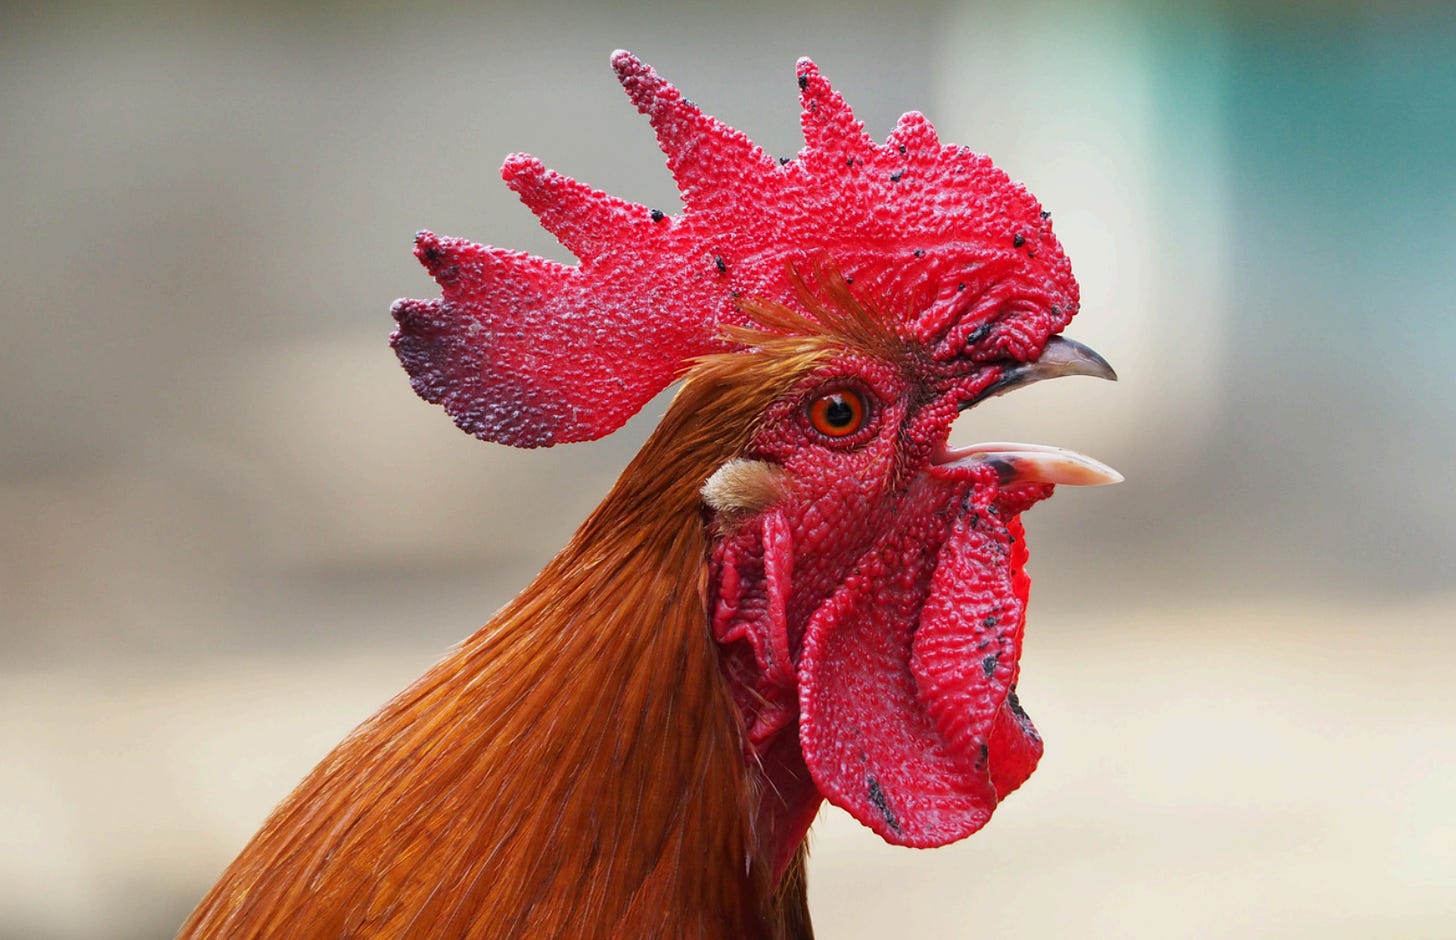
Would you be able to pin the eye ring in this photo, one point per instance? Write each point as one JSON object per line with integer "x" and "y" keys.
{"x": 839, "y": 413}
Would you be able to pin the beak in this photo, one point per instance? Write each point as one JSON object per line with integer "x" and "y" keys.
{"x": 1060, "y": 356}
{"x": 1032, "y": 463}
{"x": 1037, "y": 463}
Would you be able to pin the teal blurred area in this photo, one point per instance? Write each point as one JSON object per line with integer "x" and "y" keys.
{"x": 229, "y": 531}
{"x": 1344, "y": 135}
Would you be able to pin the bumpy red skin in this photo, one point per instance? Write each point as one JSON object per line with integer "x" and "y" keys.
{"x": 871, "y": 621}
{"x": 530, "y": 352}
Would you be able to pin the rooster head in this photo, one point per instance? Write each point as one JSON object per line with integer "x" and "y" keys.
{"x": 866, "y": 581}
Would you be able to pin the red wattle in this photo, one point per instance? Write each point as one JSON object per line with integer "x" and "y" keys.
{"x": 906, "y": 672}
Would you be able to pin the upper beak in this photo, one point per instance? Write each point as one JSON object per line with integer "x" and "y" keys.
{"x": 1060, "y": 356}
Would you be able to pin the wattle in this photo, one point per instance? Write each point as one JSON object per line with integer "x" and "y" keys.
{"x": 908, "y": 718}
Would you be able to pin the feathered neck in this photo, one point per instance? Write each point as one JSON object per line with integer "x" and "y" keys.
{"x": 578, "y": 761}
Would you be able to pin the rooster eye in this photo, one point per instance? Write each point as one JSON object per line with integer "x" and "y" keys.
{"x": 837, "y": 414}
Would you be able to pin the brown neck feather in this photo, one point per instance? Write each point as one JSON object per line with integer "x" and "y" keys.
{"x": 575, "y": 765}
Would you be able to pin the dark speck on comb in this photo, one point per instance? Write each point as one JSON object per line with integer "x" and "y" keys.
{"x": 877, "y": 799}
{"x": 657, "y": 215}
{"x": 1018, "y": 241}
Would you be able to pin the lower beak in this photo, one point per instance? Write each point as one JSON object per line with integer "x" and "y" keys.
{"x": 1032, "y": 463}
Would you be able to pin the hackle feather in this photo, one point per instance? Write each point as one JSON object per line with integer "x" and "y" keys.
{"x": 577, "y": 763}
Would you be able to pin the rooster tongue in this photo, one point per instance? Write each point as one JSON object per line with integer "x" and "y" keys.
{"x": 907, "y": 716}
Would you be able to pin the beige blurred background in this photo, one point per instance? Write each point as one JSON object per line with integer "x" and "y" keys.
{"x": 229, "y": 531}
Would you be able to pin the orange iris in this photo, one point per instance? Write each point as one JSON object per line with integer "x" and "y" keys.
{"x": 837, "y": 414}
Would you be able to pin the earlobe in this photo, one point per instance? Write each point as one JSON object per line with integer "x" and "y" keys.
{"x": 753, "y": 577}
{"x": 742, "y": 487}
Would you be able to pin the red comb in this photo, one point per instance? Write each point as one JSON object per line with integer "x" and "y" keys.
{"x": 530, "y": 352}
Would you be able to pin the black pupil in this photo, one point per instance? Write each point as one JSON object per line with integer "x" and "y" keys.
{"x": 840, "y": 412}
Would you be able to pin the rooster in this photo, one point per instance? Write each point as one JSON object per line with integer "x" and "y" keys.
{"x": 796, "y": 592}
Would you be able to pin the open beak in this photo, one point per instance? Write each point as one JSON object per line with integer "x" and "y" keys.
{"x": 1038, "y": 463}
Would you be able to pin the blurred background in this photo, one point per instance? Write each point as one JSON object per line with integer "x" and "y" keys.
{"x": 229, "y": 531}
